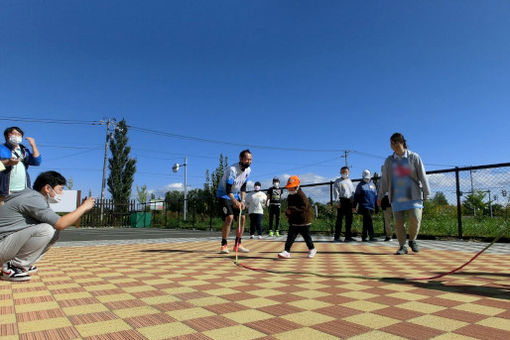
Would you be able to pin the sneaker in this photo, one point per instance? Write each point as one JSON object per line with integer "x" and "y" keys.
{"x": 32, "y": 269}
{"x": 388, "y": 238}
{"x": 252, "y": 236}
{"x": 13, "y": 273}
{"x": 401, "y": 251}
{"x": 224, "y": 249}
{"x": 336, "y": 240}
{"x": 260, "y": 237}
{"x": 311, "y": 253}
{"x": 373, "y": 239}
{"x": 364, "y": 240}
{"x": 277, "y": 234}
{"x": 348, "y": 239}
{"x": 414, "y": 246}
{"x": 284, "y": 255}
{"x": 241, "y": 249}
{"x": 270, "y": 233}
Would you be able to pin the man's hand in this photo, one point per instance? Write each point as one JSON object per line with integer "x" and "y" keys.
{"x": 242, "y": 205}
{"x": 378, "y": 203}
{"x": 88, "y": 203}
{"x": 339, "y": 205}
{"x": 31, "y": 141}
{"x": 10, "y": 162}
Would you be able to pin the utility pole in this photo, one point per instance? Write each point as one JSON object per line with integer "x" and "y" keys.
{"x": 176, "y": 168}
{"x": 110, "y": 124}
{"x": 346, "y": 154}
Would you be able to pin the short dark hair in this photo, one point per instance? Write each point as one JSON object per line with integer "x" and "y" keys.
{"x": 11, "y": 129}
{"x": 397, "y": 137}
{"x": 52, "y": 178}
{"x": 344, "y": 168}
{"x": 243, "y": 153}
{"x": 257, "y": 183}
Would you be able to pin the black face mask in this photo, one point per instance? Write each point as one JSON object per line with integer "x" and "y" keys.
{"x": 244, "y": 165}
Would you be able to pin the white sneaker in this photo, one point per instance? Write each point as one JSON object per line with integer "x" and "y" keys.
{"x": 284, "y": 255}
{"x": 311, "y": 253}
{"x": 260, "y": 237}
{"x": 241, "y": 249}
{"x": 252, "y": 236}
{"x": 13, "y": 273}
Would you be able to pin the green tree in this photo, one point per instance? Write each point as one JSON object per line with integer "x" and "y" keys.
{"x": 439, "y": 199}
{"x": 122, "y": 168}
{"x": 474, "y": 203}
{"x": 142, "y": 194}
{"x": 69, "y": 183}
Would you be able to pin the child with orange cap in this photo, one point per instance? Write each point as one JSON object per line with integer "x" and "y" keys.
{"x": 300, "y": 218}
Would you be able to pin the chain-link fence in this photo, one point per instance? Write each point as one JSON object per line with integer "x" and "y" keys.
{"x": 464, "y": 202}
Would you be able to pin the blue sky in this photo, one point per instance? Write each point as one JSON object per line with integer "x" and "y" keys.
{"x": 321, "y": 75}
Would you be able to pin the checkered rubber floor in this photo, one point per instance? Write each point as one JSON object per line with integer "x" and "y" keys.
{"x": 187, "y": 290}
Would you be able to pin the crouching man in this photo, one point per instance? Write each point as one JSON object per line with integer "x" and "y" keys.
{"x": 28, "y": 226}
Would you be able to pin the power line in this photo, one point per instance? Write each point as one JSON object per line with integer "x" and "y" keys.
{"x": 49, "y": 120}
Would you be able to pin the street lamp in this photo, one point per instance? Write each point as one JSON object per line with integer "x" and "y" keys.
{"x": 175, "y": 168}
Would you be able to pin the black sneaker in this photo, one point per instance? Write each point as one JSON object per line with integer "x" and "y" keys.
{"x": 402, "y": 251}
{"x": 13, "y": 273}
{"x": 336, "y": 240}
{"x": 349, "y": 239}
{"x": 373, "y": 239}
{"x": 364, "y": 240}
{"x": 414, "y": 246}
{"x": 388, "y": 238}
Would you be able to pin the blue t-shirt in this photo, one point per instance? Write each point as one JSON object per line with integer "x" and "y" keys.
{"x": 235, "y": 177}
{"x": 401, "y": 182}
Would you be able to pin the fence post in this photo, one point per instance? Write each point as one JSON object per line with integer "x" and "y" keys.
{"x": 194, "y": 202}
{"x": 459, "y": 207}
{"x": 331, "y": 202}
{"x": 211, "y": 211}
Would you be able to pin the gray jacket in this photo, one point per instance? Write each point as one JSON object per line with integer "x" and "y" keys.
{"x": 420, "y": 189}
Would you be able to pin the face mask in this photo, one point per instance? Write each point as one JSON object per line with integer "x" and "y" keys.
{"x": 293, "y": 192}
{"x": 244, "y": 165}
{"x": 257, "y": 187}
{"x": 55, "y": 199}
{"x": 15, "y": 140}
{"x": 276, "y": 185}
{"x": 366, "y": 180}
{"x": 344, "y": 175}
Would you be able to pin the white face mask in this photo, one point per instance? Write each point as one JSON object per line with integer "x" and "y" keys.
{"x": 15, "y": 140}
{"x": 293, "y": 192}
{"x": 257, "y": 187}
{"x": 344, "y": 175}
{"x": 276, "y": 185}
{"x": 55, "y": 199}
{"x": 366, "y": 180}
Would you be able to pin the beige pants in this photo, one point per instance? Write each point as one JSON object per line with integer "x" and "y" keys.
{"x": 388, "y": 216}
{"x": 414, "y": 224}
{"x": 2, "y": 199}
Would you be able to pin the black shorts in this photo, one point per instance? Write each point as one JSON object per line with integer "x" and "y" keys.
{"x": 227, "y": 208}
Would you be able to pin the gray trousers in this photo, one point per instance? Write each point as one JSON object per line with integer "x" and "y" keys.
{"x": 25, "y": 247}
{"x": 414, "y": 224}
{"x": 388, "y": 217}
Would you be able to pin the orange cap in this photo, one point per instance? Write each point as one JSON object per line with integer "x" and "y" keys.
{"x": 293, "y": 182}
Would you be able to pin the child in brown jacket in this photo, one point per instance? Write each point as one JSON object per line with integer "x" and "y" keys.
{"x": 300, "y": 218}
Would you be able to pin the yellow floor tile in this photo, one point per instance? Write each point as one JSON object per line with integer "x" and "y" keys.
{"x": 31, "y": 307}
{"x": 485, "y": 310}
{"x": 41, "y": 325}
{"x": 135, "y": 311}
{"x": 249, "y": 315}
{"x": 373, "y": 320}
{"x": 102, "y": 327}
{"x": 304, "y": 333}
{"x": 379, "y": 335}
{"x": 496, "y": 322}
{"x": 190, "y": 313}
{"x": 437, "y": 322}
{"x": 85, "y": 309}
{"x": 164, "y": 331}
{"x": 115, "y": 297}
{"x": 238, "y": 332}
{"x": 308, "y": 318}
{"x": 421, "y": 307}
{"x": 408, "y": 296}
{"x": 309, "y": 304}
{"x": 365, "y": 306}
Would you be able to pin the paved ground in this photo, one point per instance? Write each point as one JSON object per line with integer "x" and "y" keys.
{"x": 178, "y": 286}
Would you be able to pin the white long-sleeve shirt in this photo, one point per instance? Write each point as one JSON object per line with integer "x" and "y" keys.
{"x": 255, "y": 202}
{"x": 343, "y": 188}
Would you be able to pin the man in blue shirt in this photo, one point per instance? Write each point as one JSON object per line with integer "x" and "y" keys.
{"x": 231, "y": 194}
